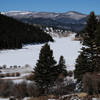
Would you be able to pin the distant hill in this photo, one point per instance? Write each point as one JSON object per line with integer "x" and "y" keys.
{"x": 13, "y": 33}
{"x": 72, "y": 20}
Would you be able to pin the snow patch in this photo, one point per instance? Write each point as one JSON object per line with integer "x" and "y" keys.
{"x": 29, "y": 54}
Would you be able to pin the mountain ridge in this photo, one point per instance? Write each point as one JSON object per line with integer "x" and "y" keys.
{"x": 30, "y": 12}
{"x": 75, "y": 21}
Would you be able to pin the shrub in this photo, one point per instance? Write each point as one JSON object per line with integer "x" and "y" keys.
{"x": 17, "y": 74}
{"x": 20, "y": 90}
{"x": 13, "y": 75}
{"x": 26, "y": 66}
{"x": 4, "y": 66}
{"x": 70, "y": 73}
{"x": 7, "y": 75}
{"x": 2, "y": 75}
{"x": 32, "y": 90}
{"x": 5, "y": 88}
{"x": 30, "y": 77}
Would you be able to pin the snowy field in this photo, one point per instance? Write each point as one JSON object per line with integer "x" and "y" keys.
{"x": 29, "y": 54}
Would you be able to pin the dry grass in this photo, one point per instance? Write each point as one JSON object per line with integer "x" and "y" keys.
{"x": 43, "y": 97}
{"x": 30, "y": 77}
{"x": 77, "y": 39}
{"x": 39, "y": 98}
{"x": 81, "y": 94}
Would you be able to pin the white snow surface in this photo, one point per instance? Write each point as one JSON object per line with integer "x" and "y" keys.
{"x": 14, "y": 13}
{"x": 76, "y": 16}
{"x": 95, "y": 98}
{"x": 29, "y": 54}
{"x": 4, "y": 98}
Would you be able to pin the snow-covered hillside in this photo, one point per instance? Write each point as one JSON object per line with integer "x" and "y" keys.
{"x": 52, "y": 15}
{"x": 29, "y": 54}
{"x": 56, "y": 32}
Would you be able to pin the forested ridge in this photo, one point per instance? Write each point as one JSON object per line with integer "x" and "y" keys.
{"x": 14, "y": 33}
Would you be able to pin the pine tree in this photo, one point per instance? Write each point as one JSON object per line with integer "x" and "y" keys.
{"x": 62, "y": 66}
{"x": 87, "y": 60}
{"x": 46, "y": 69}
{"x": 97, "y": 49}
{"x": 83, "y": 64}
{"x": 89, "y": 30}
{"x": 92, "y": 40}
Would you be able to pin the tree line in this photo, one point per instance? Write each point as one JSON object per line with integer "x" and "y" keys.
{"x": 13, "y": 33}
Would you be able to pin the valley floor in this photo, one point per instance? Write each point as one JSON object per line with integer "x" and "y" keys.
{"x": 29, "y": 53}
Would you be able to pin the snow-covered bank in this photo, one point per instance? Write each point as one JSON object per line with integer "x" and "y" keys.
{"x": 29, "y": 54}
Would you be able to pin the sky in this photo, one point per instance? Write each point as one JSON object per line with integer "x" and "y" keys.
{"x": 83, "y": 6}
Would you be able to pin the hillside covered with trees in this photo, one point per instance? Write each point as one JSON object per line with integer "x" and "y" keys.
{"x": 13, "y": 33}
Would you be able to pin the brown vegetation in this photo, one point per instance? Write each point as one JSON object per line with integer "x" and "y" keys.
{"x": 44, "y": 97}
{"x": 30, "y": 77}
{"x": 21, "y": 90}
{"x": 10, "y": 75}
{"x": 91, "y": 83}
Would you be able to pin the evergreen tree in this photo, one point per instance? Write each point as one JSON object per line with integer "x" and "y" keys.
{"x": 45, "y": 70}
{"x": 92, "y": 40}
{"x": 83, "y": 64}
{"x": 88, "y": 59}
{"x": 62, "y": 66}
{"x": 96, "y": 47}
{"x": 12, "y": 37}
{"x": 88, "y": 33}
